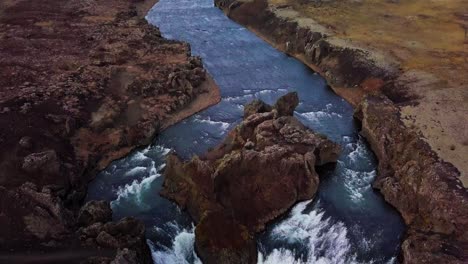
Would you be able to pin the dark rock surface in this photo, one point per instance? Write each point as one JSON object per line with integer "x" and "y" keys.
{"x": 82, "y": 83}
{"x": 127, "y": 235}
{"x": 93, "y": 212}
{"x": 424, "y": 189}
{"x": 264, "y": 166}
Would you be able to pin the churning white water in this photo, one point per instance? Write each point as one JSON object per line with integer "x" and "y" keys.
{"x": 326, "y": 241}
{"x": 182, "y": 248}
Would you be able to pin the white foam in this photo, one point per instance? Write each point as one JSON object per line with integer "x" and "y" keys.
{"x": 138, "y": 156}
{"x": 134, "y": 171}
{"x": 326, "y": 241}
{"x": 238, "y": 99}
{"x": 161, "y": 167}
{"x": 360, "y": 151}
{"x": 318, "y": 116}
{"x": 358, "y": 176}
{"x": 133, "y": 192}
{"x": 220, "y": 124}
{"x": 263, "y": 92}
{"x": 181, "y": 252}
{"x": 278, "y": 256}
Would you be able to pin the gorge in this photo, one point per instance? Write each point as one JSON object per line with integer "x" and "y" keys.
{"x": 347, "y": 222}
{"x": 233, "y": 131}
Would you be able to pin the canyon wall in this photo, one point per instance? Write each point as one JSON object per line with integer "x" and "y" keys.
{"x": 426, "y": 190}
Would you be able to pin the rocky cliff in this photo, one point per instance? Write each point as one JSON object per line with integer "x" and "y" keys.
{"x": 264, "y": 166}
{"x": 424, "y": 189}
{"x": 82, "y": 83}
{"x": 427, "y": 191}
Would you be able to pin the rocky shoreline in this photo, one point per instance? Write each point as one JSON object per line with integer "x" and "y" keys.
{"x": 265, "y": 165}
{"x": 424, "y": 189}
{"x": 82, "y": 84}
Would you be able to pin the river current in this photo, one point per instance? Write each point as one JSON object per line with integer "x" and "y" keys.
{"x": 347, "y": 222}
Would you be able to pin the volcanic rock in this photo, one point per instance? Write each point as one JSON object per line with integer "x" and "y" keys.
{"x": 426, "y": 190}
{"x": 43, "y": 161}
{"x": 126, "y": 235}
{"x": 256, "y": 106}
{"x": 82, "y": 83}
{"x": 93, "y": 212}
{"x": 264, "y": 166}
{"x": 286, "y": 104}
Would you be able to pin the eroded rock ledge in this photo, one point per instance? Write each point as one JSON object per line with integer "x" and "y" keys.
{"x": 264, "y": 166}
{"x": 82, "y": 83}
{"x": 424, "y": 189}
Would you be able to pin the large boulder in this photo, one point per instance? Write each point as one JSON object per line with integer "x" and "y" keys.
{"x": 286, "y": 104}
{"x": 126, "y": 235}
{"x": 256, "y": 106}
{"x": 267, "y": 162}
{"x": 45, "y": 162}
{"x": 219, "y": 238}
{"x": 95, "y": 211}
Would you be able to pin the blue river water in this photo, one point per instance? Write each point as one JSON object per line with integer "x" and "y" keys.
{"x": 347, "y": 222}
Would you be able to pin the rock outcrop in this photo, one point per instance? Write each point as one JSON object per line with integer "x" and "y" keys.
{"x": 82, "y": 83}
{"x": 264, "y": 166}
{"x": 127, "y": 236}
{"x": 424, "y": 189}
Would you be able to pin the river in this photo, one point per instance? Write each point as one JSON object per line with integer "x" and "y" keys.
{"x": 347, "y": 222}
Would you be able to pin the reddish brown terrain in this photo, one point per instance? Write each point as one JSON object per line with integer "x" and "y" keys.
{"x": 264, "y": 166}
{"x": 82, "y": 83}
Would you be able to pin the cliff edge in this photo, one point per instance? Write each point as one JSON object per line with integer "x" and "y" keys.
{"x": 82, "y": 83}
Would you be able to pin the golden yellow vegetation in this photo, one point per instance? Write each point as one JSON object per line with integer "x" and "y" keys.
{"x": 423, "y": 34}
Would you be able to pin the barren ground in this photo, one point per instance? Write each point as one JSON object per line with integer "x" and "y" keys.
{"x": 429, "y": 40}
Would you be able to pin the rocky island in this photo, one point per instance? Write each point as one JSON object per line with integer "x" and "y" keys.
{"x": 265, "y": 165}
{"x": 82, "y": 83}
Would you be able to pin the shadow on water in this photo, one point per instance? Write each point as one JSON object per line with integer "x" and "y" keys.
{"x": 348, "y": 222}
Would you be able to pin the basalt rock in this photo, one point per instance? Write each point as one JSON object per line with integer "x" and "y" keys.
{"x": 82, "y": 83}
{"x": 286, "y": 104}
{"x": 264, "y": 166}
{"x": 127, "y": 235}
{"x": 424, "y": 189}
{"x": 93, "y": 212}
{"x": 256, "y": 106}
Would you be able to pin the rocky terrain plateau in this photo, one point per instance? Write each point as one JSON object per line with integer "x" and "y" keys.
{"x": 82, "y": 83}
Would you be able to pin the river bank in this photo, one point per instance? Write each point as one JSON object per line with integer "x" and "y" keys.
{"x": 82, "y": 84}
{"x": 353, "y": 72}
